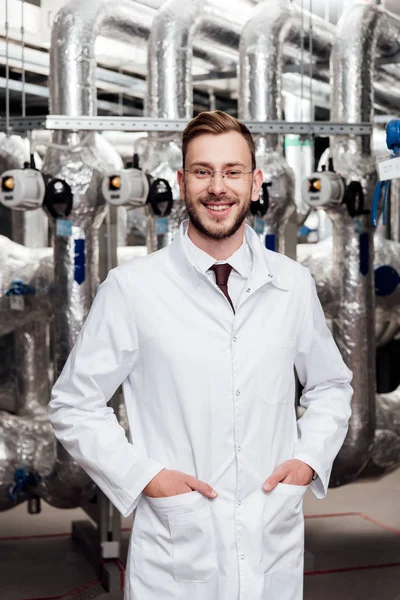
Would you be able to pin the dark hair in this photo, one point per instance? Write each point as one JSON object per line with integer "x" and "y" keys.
{"x": 216, "y": 122}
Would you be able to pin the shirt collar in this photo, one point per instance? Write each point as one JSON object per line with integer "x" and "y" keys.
{"x": 239, "y": 260}
{"x": 265, "y": 268}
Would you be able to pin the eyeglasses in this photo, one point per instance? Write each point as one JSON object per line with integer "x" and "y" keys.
{"x": 208, "y": 174}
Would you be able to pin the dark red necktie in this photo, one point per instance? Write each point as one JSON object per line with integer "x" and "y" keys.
{"x": 222, "y": 273}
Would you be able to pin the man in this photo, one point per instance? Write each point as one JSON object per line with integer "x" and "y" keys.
{"x": 204, "y": 336}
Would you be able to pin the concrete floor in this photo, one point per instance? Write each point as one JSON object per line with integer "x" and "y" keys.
{"x": 352, "y": 548}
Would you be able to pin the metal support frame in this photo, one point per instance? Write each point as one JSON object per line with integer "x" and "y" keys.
{"x": 61, "y": 122}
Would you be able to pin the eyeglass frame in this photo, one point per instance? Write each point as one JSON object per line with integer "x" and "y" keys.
{"x": 223, "y": 173}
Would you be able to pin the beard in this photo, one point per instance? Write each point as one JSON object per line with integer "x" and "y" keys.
{"x": 215, "y": 233}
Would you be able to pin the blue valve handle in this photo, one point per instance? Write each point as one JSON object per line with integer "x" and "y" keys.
{"x": 376, "y": 200}
{"x": 393, "y": 135}
{"x": 23, "y": 480}
{"x": 393, "y": 143}
{"x": 386, "y": 279}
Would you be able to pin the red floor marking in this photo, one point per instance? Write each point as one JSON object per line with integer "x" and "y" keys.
{"x": 356, "y": 514}
{"x": 34, "y": 537}
{"x": 345, "y": 569}
{"x": 78, "y": 590}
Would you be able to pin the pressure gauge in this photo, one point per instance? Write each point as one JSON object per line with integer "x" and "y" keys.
{"x": 325, "y": 189}
{"x": 126, "y": 188}
{"x": 22, "y": 189}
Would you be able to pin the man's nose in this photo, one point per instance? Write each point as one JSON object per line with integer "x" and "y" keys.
{"x": 217, "y": 184}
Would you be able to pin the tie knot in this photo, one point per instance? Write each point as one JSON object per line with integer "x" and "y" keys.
{"x": 222, "y": 273}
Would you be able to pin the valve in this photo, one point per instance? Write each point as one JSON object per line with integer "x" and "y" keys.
{"x": 325, "y": 189}
{"x": 22, "y": 189}
{"x": 133, "y": 187}
{"x": 160, "y": 193}
{"x": 126, "y": 188}
{"x": 58, "y": 199}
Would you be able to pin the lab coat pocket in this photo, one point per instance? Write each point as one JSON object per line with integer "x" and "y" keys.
{"x": 276, "y": 381}
{"x": 194, "y": 558}
{"x": 283, "y": 531}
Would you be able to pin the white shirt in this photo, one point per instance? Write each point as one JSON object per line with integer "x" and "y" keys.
{"x": 241, "y": 261}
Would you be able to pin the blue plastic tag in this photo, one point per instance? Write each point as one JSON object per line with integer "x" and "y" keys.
{"x": 80, "y": 262}
{"x": 63, "y": 228}
{"x": 161, "y": 225}
{"x": 364, "y": 254}
{"x": 270, "y": 242}
{"x": 259, "y": 225}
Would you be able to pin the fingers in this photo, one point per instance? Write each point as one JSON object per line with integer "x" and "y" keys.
{"x": 201, "y": 486}
{"x": 277, "y": 476}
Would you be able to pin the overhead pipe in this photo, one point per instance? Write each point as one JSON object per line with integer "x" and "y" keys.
{"x": 170, "y": 96}
{"x": 363, "y": 31}
{"x": 260, "y": 99}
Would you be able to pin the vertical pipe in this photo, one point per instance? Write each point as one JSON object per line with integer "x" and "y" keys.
{"x": 361, "y": 28}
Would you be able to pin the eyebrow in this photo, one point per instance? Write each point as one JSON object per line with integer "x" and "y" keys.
{"x": 207, "y": 164}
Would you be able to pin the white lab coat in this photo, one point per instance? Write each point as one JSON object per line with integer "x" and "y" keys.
{"x": 209, "y": 393}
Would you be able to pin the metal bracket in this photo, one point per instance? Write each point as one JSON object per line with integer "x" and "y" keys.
{"x": 106, "y": 123}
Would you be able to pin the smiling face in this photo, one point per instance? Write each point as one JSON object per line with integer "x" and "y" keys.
{"x": 218, "y": 206}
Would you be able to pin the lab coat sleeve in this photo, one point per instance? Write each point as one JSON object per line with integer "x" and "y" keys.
{"x": 326, "y": 393}
{"x": 102, "y": 358}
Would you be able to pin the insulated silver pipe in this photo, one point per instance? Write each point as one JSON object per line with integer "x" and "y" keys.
{"x": 260, "y": 99}
{"x": 362, "y": 32}
{"x": 273, "y": 25}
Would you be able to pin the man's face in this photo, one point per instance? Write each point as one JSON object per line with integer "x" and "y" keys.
{"x": 205, "y": 197}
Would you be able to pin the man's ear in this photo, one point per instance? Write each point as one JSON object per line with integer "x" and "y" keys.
{"x": 181, "y": 182}
{"x": 258, "y": 179}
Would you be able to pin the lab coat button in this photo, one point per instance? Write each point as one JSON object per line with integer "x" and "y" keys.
{"x": 235, "y": 339}
{"x": 248, "y": 290}
{"x": 242, "y": 557}
{"x": 239, "y": 502}
{"x": 239, "y": 448}
{"x": 237, "y": 393}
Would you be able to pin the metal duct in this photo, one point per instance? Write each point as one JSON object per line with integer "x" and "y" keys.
{"x": 319, "y": 259}
{"x": 260, "y": 99}
{"x": 73, "y": 93}
{"x": 75, "y": 288}
{"x": 362, "y": 31}
{"x": 169, "y": 96}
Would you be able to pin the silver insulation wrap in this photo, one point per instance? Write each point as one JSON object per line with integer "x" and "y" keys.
{"x": 386, "y": 449}
{"x": 319, "y": 259}
{"x": 169, "y": 63}
{"x": 73, "y": 91}
{"x": 72, "y": 55}
{"x": 169, "y": 96}
{"x": 261, "y": 57}
{"x": 28, "y": 445}
{"x": 362, "y": 32}
{"x": 83, "y": 170}
{"x": 260, "y": 99}
{"x": 354, "y": 332}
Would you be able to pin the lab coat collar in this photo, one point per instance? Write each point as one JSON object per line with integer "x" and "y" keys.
{"x": 239, "y": 260}
{"x": 264, "y": 268}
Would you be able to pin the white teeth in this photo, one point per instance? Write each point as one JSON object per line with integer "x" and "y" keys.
{"x": 219, "y": 208}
